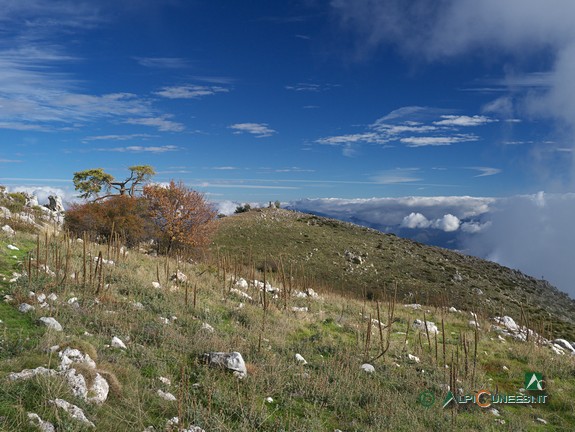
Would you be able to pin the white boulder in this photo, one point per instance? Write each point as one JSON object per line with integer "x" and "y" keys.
{"x": 51, "y": 323}
{"x": 166, "y": 396}
{"x": 117, "y": 343}
{"x": 508, "y": 323}
{"x": 31, "y": 373}
{"x": 7, "y": 229}
{"x": 25, "y": 308}
{"x": 232, "y": 361}
{"x": 300, "y": 359}
{"x": 74, "y": 411}
{"x": 42, "y": 425}
{"x": 368, "y": 368}
{"x": 431, "y": 327}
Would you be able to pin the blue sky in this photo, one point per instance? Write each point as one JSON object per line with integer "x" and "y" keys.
{"x": 296, "y": 100}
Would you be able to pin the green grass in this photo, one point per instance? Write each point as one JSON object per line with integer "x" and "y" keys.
{"x": 330, "y": 392}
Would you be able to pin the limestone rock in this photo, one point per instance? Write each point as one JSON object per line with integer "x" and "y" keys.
{"x": 5, "y": 213}
{"x": 98, "y": 392}
{"x": 300, "y": 359}
{"x": 241, "y": 283}
{"x": 366, "y": 367}
{"x": 241, "y": 293}
{"x": 232, "y": 361}
{"x": 73, "y": 411}
{"x": 508, "y": 323}
{"x": 7, "y": 229}
{"x": 431, "y": 327}
{"x": 207, "y": 328}
{"x": 31, "y": 373}
{"x": 166, "y": 396}
{"x": 77, "y": 383}
{"x": 165, "y": 380}
{"x": 42, "y": 425}
{"x": 117, "y": 343}
{"x": 25, "y": 308}
{"x": 55, "y": 204}
{"x": 72, "y": 355}
{"x": 179, "y": 277}
{"x": 51, "y": 323}
{"x": 565, "y": 345}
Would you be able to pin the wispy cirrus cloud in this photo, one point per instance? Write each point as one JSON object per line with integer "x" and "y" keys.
{"x": 225, "y": 168}
{"x": 127, "y": 137}
{"x": 141, "y": 149}
{"x": 162, "y": 123}
{"x": 9, "y": 160}
{"x": 397, "y": 176}
{"x": 463, "y": 120}
{"x": 190, "y": 91}
{"x": 412, "y": 126}
{"x": 311, "y": 87}
{"x": 486, "y": 171}
{"x": 163, "y": 62}
{"x": 437, "y": 140}
{"x": 515, "y": 33}
{"x": 259, "y": 130}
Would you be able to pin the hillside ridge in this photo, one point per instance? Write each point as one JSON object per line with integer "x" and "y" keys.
{"x": 365, "y": 261}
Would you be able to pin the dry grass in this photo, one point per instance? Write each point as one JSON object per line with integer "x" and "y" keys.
{"x": 329, "y": 392}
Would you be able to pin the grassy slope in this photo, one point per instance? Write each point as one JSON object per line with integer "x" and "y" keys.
{"x": 330, "y": 392}
{"x": 430, "y": 274}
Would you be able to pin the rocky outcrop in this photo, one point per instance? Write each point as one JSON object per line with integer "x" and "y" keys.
{"x": 72, "y": 410}
{"x": 54, "y": 204}
{"x": 232, "y": 361}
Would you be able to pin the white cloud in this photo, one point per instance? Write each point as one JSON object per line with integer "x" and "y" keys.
{"x": 260, "y": 130}
{"x": 310, "y": 87}
{"x": 414, "y": 126}
{"x": 190, "y": 91}
{"x": 43, "y": 192}
{"x": 381, "y": 213}
{"x": 447, "y": 223}
{"x": 532, "y": 233}
{"x": 126, "y": 137}
{"x": 369, "y": 137}
{"x": 486, "y": 171}
{"x": 463, "y": 120}
{"x": 142, "y": 149}
{"x": 437, "y": 140}
{"x": 397, "y": 176}
{"x": 474, "y": 227}
{"x": 415, "y": 220}
{"x": 162, "y": 123}
{"x": 163, "y": 62}
{"x": 512, "y": 31}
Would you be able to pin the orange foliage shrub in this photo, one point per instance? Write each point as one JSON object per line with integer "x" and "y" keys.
{"x": 127, "y": 216}
{"x": 183, "y": 216}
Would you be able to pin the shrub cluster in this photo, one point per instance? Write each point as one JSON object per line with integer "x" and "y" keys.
{"x": 174, "y": 217}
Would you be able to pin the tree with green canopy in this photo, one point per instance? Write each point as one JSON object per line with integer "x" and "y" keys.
{"x": 92, "y": 182}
